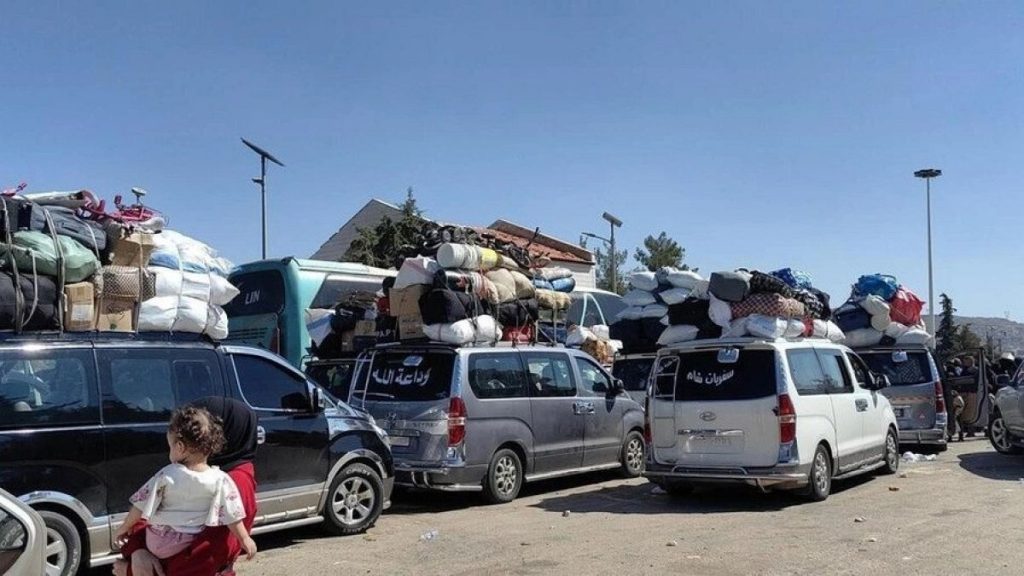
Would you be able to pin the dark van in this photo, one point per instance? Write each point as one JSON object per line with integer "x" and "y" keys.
{"x": 83, "y": 423}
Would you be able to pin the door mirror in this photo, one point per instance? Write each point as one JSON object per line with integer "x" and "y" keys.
{"x": 317, "y": 400}
{"x": 618, "y": 387}
{"x": 879, "y": 381}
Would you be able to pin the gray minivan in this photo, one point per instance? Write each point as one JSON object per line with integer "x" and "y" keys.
{"x": 916, "y": 394}
{"x": 490, "y": 418}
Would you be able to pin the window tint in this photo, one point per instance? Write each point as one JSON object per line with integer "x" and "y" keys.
{"x": 145, "y": 385}
{"x": 611, "y": 305}
{"x": 268, "y": 386}
{"x": 703, "y": 377}
{"x": 335, "y": 378}
{"x": 860, "y": 371}
{"x": 337, "y": 288}
{"x": 835, "y": 371}
{"x": 497, "y": 376}
{"x": 550, "y": 374}
{"x": 48, "y": 387}
{"x": 633, "y": 372}
{"x": 593, "y": 380}
{"x": 916, "y": 369}
{"x": 407, "y": 375}
{"x": 259, "y": 293}
{"x": 805, "y": 368}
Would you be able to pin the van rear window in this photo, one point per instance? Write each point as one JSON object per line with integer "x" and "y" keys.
{"x": 408, "y": 376}
{"x": 916, "y": 369}
{"x": 703, "y": 376}
{"x": 633, "y": 372}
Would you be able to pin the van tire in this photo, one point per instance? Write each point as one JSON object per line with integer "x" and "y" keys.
{"x": 62, "y": 531}
{"x": 819, "y": 479}
{"x": 633, "y": 454}
{"x": 354, "y": 501}
{"x": 891, "y": 453}
{"x": 504, "y": 477}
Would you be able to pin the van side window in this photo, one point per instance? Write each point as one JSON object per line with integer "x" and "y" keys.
{"x": 497, "y": 376}
{"x": 835, "y": 372}
{"x": 594, "y": 380}
{"x": 860, "y": 371}
{"x": 808, "y": 376}
{"x": 550, "y": 375}
{"x": 146, "y": 384}
{"x": 49, "y": 387}
{"x": 665, "y": 377}
{"x": 267, "y": 386}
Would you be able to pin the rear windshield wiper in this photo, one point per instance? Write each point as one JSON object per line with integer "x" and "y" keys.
{"x": 383, "y": 395}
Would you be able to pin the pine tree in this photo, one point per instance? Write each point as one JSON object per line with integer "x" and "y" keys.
{"x": 661, "y": 251}
{"x": 381, "y": 245}
{"x": 946, "y": 335}
{"x": 603, "y": 268}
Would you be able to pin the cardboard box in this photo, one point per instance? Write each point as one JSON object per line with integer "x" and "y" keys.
{"x": 366, "y": 328}
{"x": 79, "y": 307}
{"x": 115, "y": 315}
{"x": 132, "y": 249}
{"x": 410, "y": 327}
{"x": 406, "y": 302}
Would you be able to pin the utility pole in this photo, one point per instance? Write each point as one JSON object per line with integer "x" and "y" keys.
{"x": 614, "y": 223}
{"x": 262, "y": 181}
{"x": 928, "y": 174}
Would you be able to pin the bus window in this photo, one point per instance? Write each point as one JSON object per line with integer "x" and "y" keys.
{"x": 336, "y": 288}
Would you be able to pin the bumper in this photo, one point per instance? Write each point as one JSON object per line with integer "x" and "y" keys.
{"x": 932, "y": 436}
{"x": 781, "y": 475}
{"x": 439, "y": 476}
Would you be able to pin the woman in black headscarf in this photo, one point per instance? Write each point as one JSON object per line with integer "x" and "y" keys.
{"x": 214, "y": 551}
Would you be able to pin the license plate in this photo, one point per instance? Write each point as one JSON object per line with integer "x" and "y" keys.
{"x": 399, "y": 440}
{"x": 901, "y": 411}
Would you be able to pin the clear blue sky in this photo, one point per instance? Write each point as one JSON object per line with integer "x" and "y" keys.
{"x": 757, "y": 134}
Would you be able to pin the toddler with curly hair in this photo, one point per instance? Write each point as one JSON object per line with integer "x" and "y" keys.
{"x": 189, "y": 494}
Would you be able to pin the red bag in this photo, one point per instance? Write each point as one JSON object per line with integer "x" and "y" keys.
{"x": 906, "y": 307}
{"x": 518, "y": 334}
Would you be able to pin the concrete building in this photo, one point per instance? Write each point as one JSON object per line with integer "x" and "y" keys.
{"x": 561, "y": 253}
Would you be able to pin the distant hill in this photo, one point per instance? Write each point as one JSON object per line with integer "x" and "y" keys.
{"x": 1011, "y": 333}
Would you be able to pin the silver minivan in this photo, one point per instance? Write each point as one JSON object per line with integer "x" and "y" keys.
{"x": 488, "y": 419}
{"x": 916, "y": 394}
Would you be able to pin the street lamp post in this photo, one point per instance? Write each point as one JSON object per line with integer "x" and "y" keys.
{"x": 613, "y": 223}
{"x": 262, "y": 181}
{"x": 928, "y": 174}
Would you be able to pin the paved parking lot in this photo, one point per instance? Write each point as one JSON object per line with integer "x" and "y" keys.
{"x": 962, "y": 513}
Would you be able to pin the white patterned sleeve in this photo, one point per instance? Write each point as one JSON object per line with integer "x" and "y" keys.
{"x": 148, "y": 498}
{"x": 226, "y": 507}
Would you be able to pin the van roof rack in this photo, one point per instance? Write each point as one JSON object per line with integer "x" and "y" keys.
{"x": 710, "y": 342}
{"x": 56, "y": 336}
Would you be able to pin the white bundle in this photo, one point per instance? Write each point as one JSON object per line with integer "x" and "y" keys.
{"x": 677, "y": 334}
{"x": 631, "y": 313}
{"x": 736, "y": 329}
{"x": 183, "y": 314}
{"x": 601, "y": 331}
{"x": 655, "y": 311}
{"x": 206, "y": 286}
{"x": 674, "y": 295}
{"x": 578, "y": 336}
{"x": 614, "y": 346}
{"x": 915, "y": 336}
{"x": 419, "y": 270}
{"x": 794, "y": 328}
{"x": 720, "y": 312}
{"x": 701, "y": 289}
{"x": 768, "y": 327}
{"x": 639, "y": 298}
{"x": 644, "y": 281}
{"x": 318, "y": 324}
{"x": 896, "y": 330}
{"x": 458, "y": 256}
{"x": 829, "y": 330}
{"x": 481, "y": 330}
{"x": 179, "y": 252}
{"x": 863, "y": 338}
{"x": 685, "y": 279}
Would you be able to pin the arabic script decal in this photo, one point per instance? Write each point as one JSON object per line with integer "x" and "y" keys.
{"x": 710, "y": 378}
{"x": 402, "y": 376}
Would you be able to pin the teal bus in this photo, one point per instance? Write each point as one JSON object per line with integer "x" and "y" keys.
{"x": 270, "y": 310}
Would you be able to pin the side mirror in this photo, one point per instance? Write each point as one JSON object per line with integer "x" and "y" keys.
{"x": 879, "y": 381}
{"x": 618, "y": 387}
{"x": 316, "y": 399}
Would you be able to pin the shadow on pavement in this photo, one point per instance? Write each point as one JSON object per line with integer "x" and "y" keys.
{"x": 993, "y": 465}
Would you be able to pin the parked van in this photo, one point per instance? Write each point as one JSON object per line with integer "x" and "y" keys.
{"x": 270, "y": 311}
{"x": 83, "y": 424}
{"x": 489, "y": 419}
{"x": 770, "y": 413}
{"x": 916, "y": 394}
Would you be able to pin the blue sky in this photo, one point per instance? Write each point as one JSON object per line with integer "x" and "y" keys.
{"x": 757, "y": 134}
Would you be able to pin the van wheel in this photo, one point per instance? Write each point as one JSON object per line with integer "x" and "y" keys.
{"x": 504, "y": 477}
{"x": 633, "y": 455}
{"x": 355, "y": 500}
{"x": 999, "y": 436}
{"x": 891, "y": 454}
{"x": 819, "y": 479}
{"x": 63, "y": 545}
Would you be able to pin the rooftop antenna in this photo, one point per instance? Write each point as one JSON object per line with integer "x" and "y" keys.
{"x": 262, "y": 181}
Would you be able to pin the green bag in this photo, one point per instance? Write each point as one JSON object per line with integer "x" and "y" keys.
{"x": 35, "y": 251}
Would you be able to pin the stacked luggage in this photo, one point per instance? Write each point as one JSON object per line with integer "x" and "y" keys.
{"x": 881, "y": 311}
{"x": 651, "y": 298}
{"x": 65, "y": 265}
{"x": 595, "y": 341}
{"x": 351, "y": 326}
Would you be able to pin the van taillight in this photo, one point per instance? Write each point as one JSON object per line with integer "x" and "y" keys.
{"x": 787, "y": 420}
{"x": 940, "y": 399}
{"x": 456, "y": 421}
{"x": 648, "y": 434}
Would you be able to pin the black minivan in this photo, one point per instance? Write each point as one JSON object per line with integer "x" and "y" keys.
{"x": 83, "y": 420}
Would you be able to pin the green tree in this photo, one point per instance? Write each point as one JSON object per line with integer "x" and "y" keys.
{"x": 604, "y": 266}
{"x": 660, "y": 251}
{"x": 966, "y": 340}
{"x": 381, "y": 245}
{"x": 946, "y": 335}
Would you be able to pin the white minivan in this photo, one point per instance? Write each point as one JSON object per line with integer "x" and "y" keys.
{"x": 776, "y": 414}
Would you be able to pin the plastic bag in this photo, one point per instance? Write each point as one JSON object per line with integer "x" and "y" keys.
{"x": 736, "y": 329}
{"x": 639, "y": 298}
{"x": 906, "y": 307}
{"x": 601, "y": 331}
{"x": 915, "y": 336}
{"x": 677, "y": 334}
{"x": 419, "y": 270}
{"x": 673, "y": 295}
{"x": 578, "y": 335}
{"x": 794, "y": 278}
{"x": 863, "y": 338}
{"x": 644, "y": 281}
{"x": 720, "y": 312}
{"x": 655, "y": 311}
{"x": 828, "y": 329}
{"x": 766, "y": 326}
{"x": 179, "y": 252}
{"x": 874, "y": 305}
{"x": 631, "y": 313}
{"x": 881, "y": 285}
{"x": 684, "y": 279}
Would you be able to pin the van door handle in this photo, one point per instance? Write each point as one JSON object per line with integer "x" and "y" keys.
{"x": 862, "y": 405}
{"x": 590, "y": 407}
{"x": 261, "y": 435}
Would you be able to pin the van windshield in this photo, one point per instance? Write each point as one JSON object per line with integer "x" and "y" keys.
{"x": 702, "y": 376}
{"x": 916, "y": 369}
{"x": 407, "y": 375}
{"x": 633, "y": 372}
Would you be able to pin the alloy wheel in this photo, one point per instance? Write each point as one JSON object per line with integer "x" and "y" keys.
{"x": 56, "y": 553}
{"x": 1000, "y": 439}
{"x": 635, "y": 454}
{"x": 353, "y": 501}
{"x": 506, "y": 475}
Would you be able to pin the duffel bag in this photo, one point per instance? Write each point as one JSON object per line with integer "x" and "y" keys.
{"x": 881, "y": 285}
{"x": 518, "y": 313}
{"x": 40, "y": 303}
{"x": 440, "y": 306}
{"x": 772, "y": 305}
{"x": 66, "y": 223}
{"x": 851, "y": 317}
{"x": 36, "y": 253}
{"x": 730, "y": 286}
{"x": 812, "y": 305}
{"x": 794, "y": 278}
{"x": 761, "y": 283}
